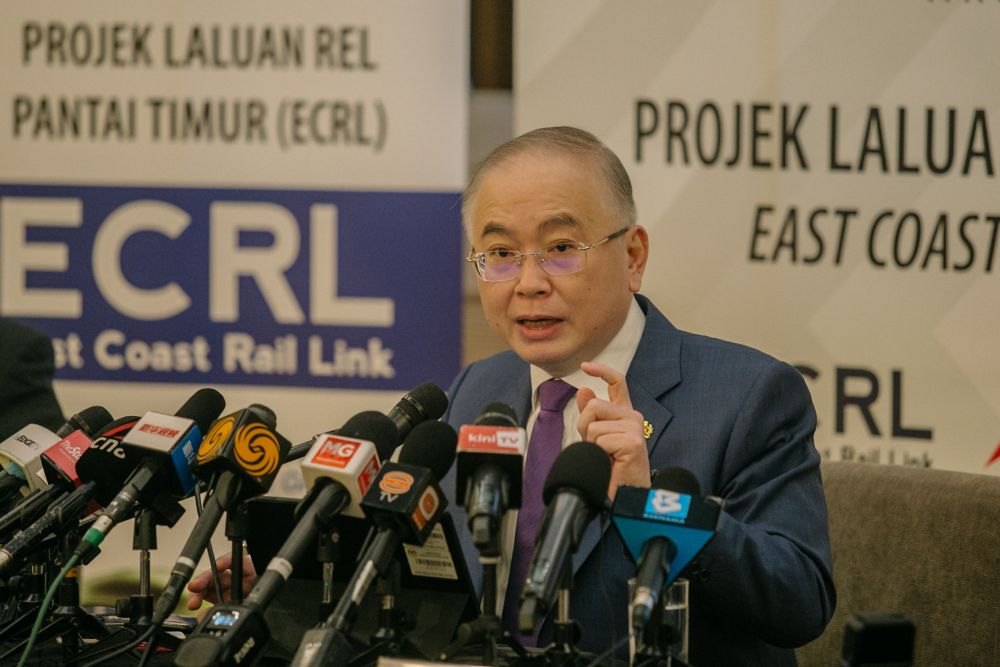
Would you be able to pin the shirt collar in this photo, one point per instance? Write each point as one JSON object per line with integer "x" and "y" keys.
{"x": 618, "y": 355}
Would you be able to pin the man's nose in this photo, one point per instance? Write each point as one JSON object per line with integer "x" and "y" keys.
{"x": 533, "y": 280}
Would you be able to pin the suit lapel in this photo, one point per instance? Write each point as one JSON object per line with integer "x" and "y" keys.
{"x": 655, "y": 369}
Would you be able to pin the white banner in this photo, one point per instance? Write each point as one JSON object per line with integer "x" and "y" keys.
{"x": 819, "y": 181}
{"x": 255, "y": 196}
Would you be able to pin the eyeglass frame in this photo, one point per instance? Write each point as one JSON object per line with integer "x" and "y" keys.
{"x": 478, "y": 259}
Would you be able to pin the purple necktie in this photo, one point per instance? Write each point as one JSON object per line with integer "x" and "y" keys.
{"x": 543, "y": 448}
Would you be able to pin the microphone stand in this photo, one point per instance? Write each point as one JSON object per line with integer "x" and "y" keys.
{"x": 139, "y": 608}
{"x": 236, "y": 530}
{"x": 327, "y": 552}
{"x": 390, "y": 637}
{"x": 34, "y": 584}
{"x": 70, "y": 623}
{"x": 562, "y": 652}
{"x": 486, "y": 628}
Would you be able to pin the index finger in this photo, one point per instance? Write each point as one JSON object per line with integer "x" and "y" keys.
{"x": 617, "y": 385}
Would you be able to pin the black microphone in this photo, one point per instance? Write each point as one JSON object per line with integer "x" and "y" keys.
{"x": 58, "y": 474}
{"x": 160, "y": 448}
{"x": 658, "y": 551}
{"x": 488, "y": 472}
{"x": 68, "y": 507}
{"x": 424, "y": 403}
{"x": 575, "y": 492}
{"x": 234, "y": 634}
{"x": 20, "y": 454}
{"x": 90, "y": 420}
{"x": 352, "y": 455}
{"x": 241, "y": 455}
{"x": 404, "y": 503}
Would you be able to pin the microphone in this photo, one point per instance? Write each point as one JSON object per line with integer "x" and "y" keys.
{"x": 90, "y": 420}
{"x": 663, "y": 528}
{"x": 20, "y": 458}
{"x": 426, "y": 402}
{"x": 654, "y": 561}
{"x": 20, "y": 454}
{"x": 489, "y": 464}
{"x": 160, "y": 449}
{"x": 241, "y": 454}
{"x": 404, "y": 504}
{"x": 406, "y": 500}
{"x": 575, "y": 492}
{"x": 67, "y": 508}
{"x": 58, "y": 471}
{"x": 234, "y": 634}
{"x": 352, "y": 455}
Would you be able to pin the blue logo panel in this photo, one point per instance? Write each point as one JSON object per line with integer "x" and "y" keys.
{"x": 355, "y": 290}
{"x": 664, "y": 505}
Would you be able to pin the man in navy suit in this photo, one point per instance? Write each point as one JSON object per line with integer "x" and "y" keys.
{"x": 551, "y": 220}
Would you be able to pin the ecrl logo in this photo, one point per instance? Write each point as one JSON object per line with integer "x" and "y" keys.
{"x": 668, "y": 504}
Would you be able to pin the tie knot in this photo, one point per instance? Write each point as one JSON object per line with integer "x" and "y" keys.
{"x": 553, "y": 395}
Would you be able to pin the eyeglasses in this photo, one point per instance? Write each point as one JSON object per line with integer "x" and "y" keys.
{"x": 556, "y": 259}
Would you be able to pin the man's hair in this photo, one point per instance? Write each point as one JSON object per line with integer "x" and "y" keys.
{"x": 568, "y": 141}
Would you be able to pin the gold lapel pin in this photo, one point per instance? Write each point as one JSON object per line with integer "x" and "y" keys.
{"x": 647, "y": 429}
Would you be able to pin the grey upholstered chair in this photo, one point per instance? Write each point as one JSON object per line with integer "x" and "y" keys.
{"x": 921, "y": 542}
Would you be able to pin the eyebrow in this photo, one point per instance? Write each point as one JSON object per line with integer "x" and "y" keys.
{"x": 556, "y": 221}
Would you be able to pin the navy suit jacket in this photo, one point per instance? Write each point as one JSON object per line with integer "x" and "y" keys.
{"x": 743, "y": 423}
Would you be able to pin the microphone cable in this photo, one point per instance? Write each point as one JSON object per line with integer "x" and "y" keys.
{"x": 50, "y": 594}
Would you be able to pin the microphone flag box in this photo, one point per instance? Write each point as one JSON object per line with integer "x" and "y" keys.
{"x": 244, "y": 443}
{"x": 351, "y": 461}
{"x": 23, "y": 450}
{"x": 407, "y": 499}
{"x": 59, "y": 460}
{"x": 500, "y": 446}
{"x": 689, "y": 522}
{"x": 170, "y": 436}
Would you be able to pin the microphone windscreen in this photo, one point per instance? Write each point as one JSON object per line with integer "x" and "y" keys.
{"x": 426, "y": 402}
{"x": 497, "y": 414}
{"x": 91, "y": 420}
{"x": 677, "y": 479}
{"x": 203, "y": 408}
{"x": 430, "y": 445}
{"x": 374, "y": 427}
{"x": 265, "y": 414}
{"x": 104, "y": 462}
{"x": 584, "y": 467}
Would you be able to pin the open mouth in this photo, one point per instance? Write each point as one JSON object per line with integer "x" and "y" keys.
{"x": 537, "y": 323}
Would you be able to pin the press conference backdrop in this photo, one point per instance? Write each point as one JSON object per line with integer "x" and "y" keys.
{"x": 253, "y": 196}
{"x": 819, "y": 180}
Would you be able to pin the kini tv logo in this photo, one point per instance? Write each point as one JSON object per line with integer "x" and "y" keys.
{"x": 663, "y": 505}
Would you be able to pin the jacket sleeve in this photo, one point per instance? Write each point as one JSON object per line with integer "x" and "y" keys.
{"x": 768, "y": 568}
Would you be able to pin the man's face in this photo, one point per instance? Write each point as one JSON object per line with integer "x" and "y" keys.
{"x": 530, "y": 202}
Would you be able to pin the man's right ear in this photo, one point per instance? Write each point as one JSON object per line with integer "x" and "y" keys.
{"x": 638, "y": 252}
